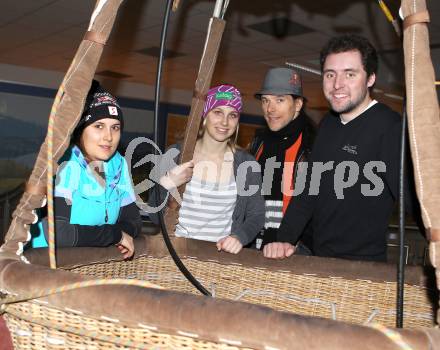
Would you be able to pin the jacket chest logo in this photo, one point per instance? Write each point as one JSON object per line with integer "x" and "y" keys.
{"x": 352, "y": 149}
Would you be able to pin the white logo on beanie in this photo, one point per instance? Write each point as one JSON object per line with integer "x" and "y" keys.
{"x": 112, "y": 110}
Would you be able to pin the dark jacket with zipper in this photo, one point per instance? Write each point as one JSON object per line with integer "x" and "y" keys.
{"x": 268, "y": 144}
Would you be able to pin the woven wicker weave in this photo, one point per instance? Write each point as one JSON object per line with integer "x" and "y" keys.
{"x": 355, "y": 301}
{"x": 357, "y": 293}
{"x": 33, "y": 335}
{"x": 38, "y": 326}
{"x": 354, "y": 298}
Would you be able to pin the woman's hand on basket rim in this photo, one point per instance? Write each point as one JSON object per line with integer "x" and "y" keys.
{"x": 229, "y": 244}
{"x": 126, "y": 245}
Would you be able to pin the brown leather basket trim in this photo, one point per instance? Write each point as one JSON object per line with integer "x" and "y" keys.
{"x": 37, "y": 190}
{"x": 198, "y": 95}
{"x": 419, "y": 17}
{"x": 95, "y": 37}
{"x": 433, "y": 234}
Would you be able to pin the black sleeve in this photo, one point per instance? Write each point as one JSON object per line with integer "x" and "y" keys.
{"x": 391, "y": 149}
{"x": 155, "y": 202}
{"x": 74, "y": 235}
{"x": 130, "y": 220}
{"x": 298, "y": 214}
{"x": 254, "y": 145}
{"x": 390, "y": 154}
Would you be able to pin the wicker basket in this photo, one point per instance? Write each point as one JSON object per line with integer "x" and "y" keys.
{"x": 56, "y": 329}
{"x": 356, "y": 301}
{"x": 353, "y": 292}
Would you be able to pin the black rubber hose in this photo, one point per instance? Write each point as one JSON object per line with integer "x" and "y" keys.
{"x": 163, "y": 228}
{"x": 402, "y": 262}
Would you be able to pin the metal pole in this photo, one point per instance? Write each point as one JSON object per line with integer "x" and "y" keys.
{"x": 218, "y": 8}
{"x": 401, "y": 267}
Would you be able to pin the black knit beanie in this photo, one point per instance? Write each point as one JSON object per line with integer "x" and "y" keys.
{"x": 99, "y": 104}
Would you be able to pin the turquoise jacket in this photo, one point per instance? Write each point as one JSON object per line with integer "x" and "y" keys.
{"x": 91, "y": 203}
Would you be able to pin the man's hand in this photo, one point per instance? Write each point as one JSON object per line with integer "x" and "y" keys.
{"x": 177, "y": 176}
{"x": 229, "y": 244}
{"x": 126, "y": 246}
{"x": 278, "y": 250}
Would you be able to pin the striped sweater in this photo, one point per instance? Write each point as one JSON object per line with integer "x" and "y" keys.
{"x": 248, "y": 212}
{"x": 206, "y": 211}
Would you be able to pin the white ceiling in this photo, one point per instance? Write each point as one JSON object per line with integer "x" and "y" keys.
{"x": 46, "y": 33}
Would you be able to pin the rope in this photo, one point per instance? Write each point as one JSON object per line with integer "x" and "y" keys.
{"x": 225, "y": 7}
{"x": 386, "y": 10}
{"x": 68, "y": 287}
{"x": 292, "y": 297}
{"x": 390, "y": 17}
{"x": 50, "y": 211}
{"x": 304, "y": 68}
{"x": 394, "y": 336}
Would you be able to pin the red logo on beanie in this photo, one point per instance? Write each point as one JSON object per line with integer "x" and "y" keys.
{"x": 105, "y": 99}
{"x": 295, "y": 79}
{"x": 112, "y": 110}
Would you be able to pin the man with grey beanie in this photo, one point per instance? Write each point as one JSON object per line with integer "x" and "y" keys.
{"x": 286, "y": 141}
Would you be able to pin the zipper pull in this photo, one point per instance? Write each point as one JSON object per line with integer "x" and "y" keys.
{"x": 106, "y": 216}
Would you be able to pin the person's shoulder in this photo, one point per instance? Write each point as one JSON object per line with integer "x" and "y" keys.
{"x": 329, "y": 117}
{"x": 328, "y": 120}
{"x": 68, "y": 155}
{"x": 385, "y": 113}
{"x": 117, "y": 158}
{"x": 260, "y": 136}
{"x": 70, "y": 162}
{"x": 177, "y": 146}
{"x": 383, "y": 120}
{"x": 242, "y": 155}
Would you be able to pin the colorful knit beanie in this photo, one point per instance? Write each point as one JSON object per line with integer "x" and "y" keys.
{"x": 222, "y": 95}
